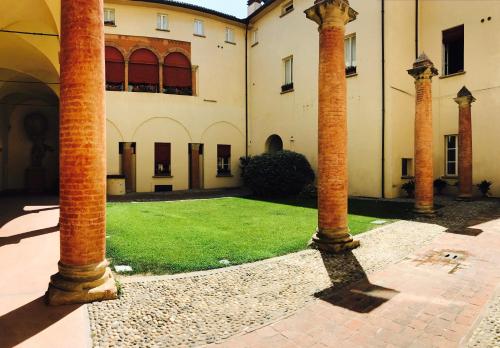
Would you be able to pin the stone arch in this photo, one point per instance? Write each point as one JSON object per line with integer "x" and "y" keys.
{"x": 274, "y": 144}
{"x": 168, "y": 118}
{"x": 177, "y": 50}
{"x": 124, "y": 53}
{"x": 221, "y": 122}
{"x": 161, "y": 130}
{"x": 145, "y": 47}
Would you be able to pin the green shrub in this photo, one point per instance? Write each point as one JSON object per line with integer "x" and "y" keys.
{"x": 440, "y": 185}
{"x": 409, "y": 188}
{"x": 484, "y": 186}
{"x": 283, "y": 173}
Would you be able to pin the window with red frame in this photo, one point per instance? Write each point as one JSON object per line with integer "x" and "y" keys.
{"x": 177, "y": 74}
{"x": 143, "y": 72}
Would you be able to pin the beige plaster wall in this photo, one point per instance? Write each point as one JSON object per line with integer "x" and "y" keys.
{"x": 482, "y": 78}
{"x": 216, "y": 115}
{"x": 293, "y": 116}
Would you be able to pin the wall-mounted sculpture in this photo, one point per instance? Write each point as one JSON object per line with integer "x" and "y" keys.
{"x": 36, "y": 127}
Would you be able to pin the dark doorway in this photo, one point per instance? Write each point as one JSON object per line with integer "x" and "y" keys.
{"x": 195, "y": 153}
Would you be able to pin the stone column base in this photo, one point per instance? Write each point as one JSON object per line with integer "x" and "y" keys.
{"x": 425, "y": 210}
{"x": 81, "y": 284}
{"x": 333, "y": 241}
{"x": 464, "y": 198}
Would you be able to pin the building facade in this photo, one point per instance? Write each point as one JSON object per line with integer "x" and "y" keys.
{"x": 191, "y": 90}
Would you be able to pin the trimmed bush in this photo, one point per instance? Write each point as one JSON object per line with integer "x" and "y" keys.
{"x": 284, "y": 173}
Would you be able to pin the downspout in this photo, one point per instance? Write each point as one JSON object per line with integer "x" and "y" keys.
{"x": 246, "y": 89}
{"x": 416, "y": 29}
{"x": 383, "y": 98}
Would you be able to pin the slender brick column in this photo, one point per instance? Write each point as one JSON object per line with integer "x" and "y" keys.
{"x": 83, "y": 273}
{"x": 423, "y": 70}
{"x": 464, "y": 100}
{"x": 332, "y": 234}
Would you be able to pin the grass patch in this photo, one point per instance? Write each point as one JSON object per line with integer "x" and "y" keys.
{"x": 172, "y": 237}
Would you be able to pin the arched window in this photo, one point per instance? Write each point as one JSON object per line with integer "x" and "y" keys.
{"x": 143, "y": 72}
{"x": 274, "y": 144}
{"x": 177, "y": 77}
{"x": 115, "y": 70}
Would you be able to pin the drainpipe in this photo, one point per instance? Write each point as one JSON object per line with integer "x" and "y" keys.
{"x": 416, "y": 29}
{"x": 383, "y": 98}
{"x": 246, "y": 90}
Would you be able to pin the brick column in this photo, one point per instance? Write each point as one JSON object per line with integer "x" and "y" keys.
{"x": 126, "y": 76}
{"x": 423, "y": 70}
{"x": 332, "y": 234}
{"x": 83, "y": 273}
{"x": 464, "y": 100}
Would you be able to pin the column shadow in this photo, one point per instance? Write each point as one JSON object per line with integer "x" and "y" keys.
{"x": 15, "y": 239}
{"x": 27, "y": 321}
{"x": 351, "y": 288}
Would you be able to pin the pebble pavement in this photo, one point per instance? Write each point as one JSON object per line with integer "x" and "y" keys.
{"x": 207, "y": 307}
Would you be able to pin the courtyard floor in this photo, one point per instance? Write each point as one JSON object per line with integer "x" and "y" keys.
{"x": 411, "y": 283}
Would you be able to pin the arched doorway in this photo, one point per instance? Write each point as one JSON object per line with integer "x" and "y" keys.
{"x": 274, "y": 144}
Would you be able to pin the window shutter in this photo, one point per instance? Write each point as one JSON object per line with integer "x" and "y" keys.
{"x": 223, "y": 151}
{"x": 115, "y": 65}
{"x": 144, "y": 67}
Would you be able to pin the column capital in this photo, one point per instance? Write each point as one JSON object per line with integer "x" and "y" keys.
{"x": 331, "y": 13}
{"x": 464, "y": 97}
{"x": 423, "y": 68}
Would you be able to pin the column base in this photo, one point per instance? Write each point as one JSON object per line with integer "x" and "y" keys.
{"x": 425, "y": 211}
{"x": 464, "y": 198}
{"x": 81, "y": 284}
{"x": 333, "y": 241}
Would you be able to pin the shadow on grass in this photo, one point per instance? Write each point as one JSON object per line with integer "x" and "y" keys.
{"x": 381, "y": 209}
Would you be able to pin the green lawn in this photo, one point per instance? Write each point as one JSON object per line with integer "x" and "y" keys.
{"x": 180, "y": 236}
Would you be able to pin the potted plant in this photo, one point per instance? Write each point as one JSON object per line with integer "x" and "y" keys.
{"x": 440, "y": 185}
{"x": 409, "y": 188}
{"x": 484, "y": 187}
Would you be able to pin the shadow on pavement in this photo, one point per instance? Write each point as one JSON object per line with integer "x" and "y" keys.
{"x": 351, "y": 288}
{"x": 32, "y": 318}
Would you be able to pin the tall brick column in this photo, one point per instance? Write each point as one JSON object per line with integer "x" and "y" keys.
{"x": 423, "y": 70}
{"x": 332, "y": 234}
{"x": 464, "y": 100}
{"x": 83, "y": 274}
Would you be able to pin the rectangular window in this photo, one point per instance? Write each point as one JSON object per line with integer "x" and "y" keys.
{"x": 453, "y": 50}
{"x": 255, "y": 37}
{"x": 230, "y": 35}
{"x": 162, "y": 22}
{"x": 288, "y": 78}
{"x": 287, "y": 8}
{"x": 451, "y": 165}
{"x": 109, "y": 16}
{"x": 162, "y": 159}
{"x": 223, "y": 159}
{"x": 350, "y": 54}
{"x": 406, "y": 167}
{"x": 199, "y": 28}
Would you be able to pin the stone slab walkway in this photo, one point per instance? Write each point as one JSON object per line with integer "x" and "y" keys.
{"x": 29, "y": 252}
{"x": 432, "y": 298}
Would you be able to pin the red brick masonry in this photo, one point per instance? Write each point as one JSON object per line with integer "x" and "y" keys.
{"x": 423, "y": 71}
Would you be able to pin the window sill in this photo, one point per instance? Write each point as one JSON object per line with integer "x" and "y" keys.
{"x": 407, "y": 177}
{"x": 450, "y": 177}
{"x": 165, "y": 30}
{"x": 254, "y": 44}
{"x": 162, "y": 176}
{"x": 224, "y": 175}
{"x": 287, "y": 12}
{"x": 199, "y": 35}
{"x": 289, "y": 91}
{"x": 230, "y": 42}
{"x": 351, "y": 75}
{"x": 452, "y": 75}
{"x": 110, "y": 25}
